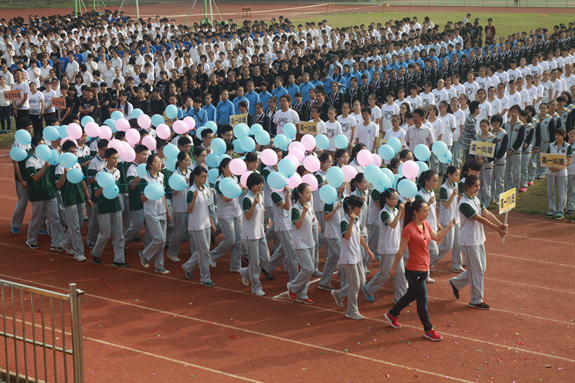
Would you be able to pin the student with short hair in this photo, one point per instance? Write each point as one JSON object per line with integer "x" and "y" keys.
{"x": 98, "y": 163}
{"x": 21, "y": 178}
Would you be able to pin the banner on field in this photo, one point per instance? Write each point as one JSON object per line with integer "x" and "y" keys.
{"x": 308, "y": 128}
{"x": 507, "y": 201}
{"x": 553, "y": 160}
{"x": 238, "y": 119}
{"x": 480, "y": 148}
{"x": 13, "y": 95}
{"x": 59, "y": 103}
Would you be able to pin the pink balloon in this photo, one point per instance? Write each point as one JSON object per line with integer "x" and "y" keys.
{"x": 74, "y": 131}
{"x": 376, "y": 159}
{"x": 244, "y": 178}
{"x": 68, "y": 139}
{"x": 133, "y": 136}
{"x": 105, "y": 132}
{"x": 311, "y": 164}
{"x": 238, "y": 167}
{"x": 180, "y": 127}
{"x": 115, "y": 144}
{"x": 296, "y": 144}
{"x": 122, "y": 125}
{"x": 410, "y": 169}
{"x": 92, "y": 129}
{"x": 129, "y": 155}
{"x": 294, "y": 181}
{"x": 349, "y": 172}
{"x": 364, "y": 157}
{"x": 297, "y": 153}
{"x": 149, "y": 142}
{"x": 308, "y": 141}
{"x": 294, "y": 159}
{"x": 310, "y": 180}
{"x": 144, "y": 121}
{"x": 269, "y": 157}
{"x": 190, "y": 122}
{"x": 163, "y": 131}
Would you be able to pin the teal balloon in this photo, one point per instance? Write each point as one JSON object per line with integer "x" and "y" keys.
{"x": 104, "y": 180}
{"x": 395, "y": 143}
{"x": 50, "y": 133}
{"x": 116, "y": 115}
{"x": 111, "y": 192}
{"x": 141, "y": 170}
{"x": 407, "y": 188}
{"x": 422, "y": 152}
{"x": 171, "y": 164}
{"x": 335, "y": 177}
{"x": 199, "y": 132}
{"x": 386, "y": 152}
{"x": 54, "y": 158}
{"x": 262, "y": 137}
{"x": 212, "y": 125}
{"x": 218, "y": 146}
{"x": 212, "y": 160}
{"x": 157, "y": 120}
{"x": 221, "y": 157}
{"x": 23, "y": 137}
{"x": 281, "y": 141}
{"x": 399, "y": 170}
{"x": 341, "y": 141}
{"x": 86, "y": 119}
{"x": 238, "y": 146}
{"x": 287, "y": 167}
{"x": 136, "y": 113}
{"x": 74, "y": 176}
{"x": 154, "y": 191}
{"x": 384, "y": 184}
{"x": 177, "y": 182}
{"x": 439, "y": 148}
{"x": 229, "y": 188}
{"x": 446, "y": 158}
{"x": 241, "y": 131}
{"x": 396, "y": 178}
{"x": 171, "y": 151}
{"x": 373, "y": 174}
{"x": 213, "y": 175}
{"x": 328, "y": 194}
{"x": 43, "y": 152}
{"x": 289, "y": 130}
{"x": 277, "y": 181}
{"x": 255, "y": 128}
{"x": 422, "y": 167}
{"x": 63, "y": 131}
{"x": 18, "y": 154}
{"x": 171, "y": 111}
{"x": 322, "y": 142}
{"x": 68, "y": 160}
{"x": 248, "y": 144}
{"x": 110, "y": 124}
{"x": 387, "y": 172}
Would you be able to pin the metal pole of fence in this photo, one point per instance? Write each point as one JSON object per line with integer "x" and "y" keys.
{"x": 5, "y": 328}
{"x": 44, "y": 338}
{"x": 54, "y": 339}
{"x": 14, "y": 326}
{"x": 64, "y": 342}
{"x": 76, "y": 317}
{"x": 34, "y": 335}
{"x": 24, "y": 335}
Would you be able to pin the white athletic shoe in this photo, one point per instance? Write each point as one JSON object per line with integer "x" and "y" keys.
{"x": 429, "y": 280}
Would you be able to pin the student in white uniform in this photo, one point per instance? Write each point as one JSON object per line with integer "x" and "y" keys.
{"x": 21, "y": 178}
{"x": 390, "y": 219}
{"x": 427, "y": 182}
{"x": 359, "y": 187}
{"x": 268, "y": 204}
{"x": 156, "y": 214}
{"x": 198, "y": 199}
{"x": 303, "y": 219}
{"x": 229, "y": 216}
{"x": 556, "y": 177}
{"x": 179, "y": 207}
{"x": 447, "y": 211}
{"x": 253, "y": 234}
{"x": 351, "y": 258}
{"x": 353, "y": 159}
{"x": 486, "y": 174}
{"x": 325, "y": 160}
{"x": 473, "y": 216}
{"x": 571, "y": 176}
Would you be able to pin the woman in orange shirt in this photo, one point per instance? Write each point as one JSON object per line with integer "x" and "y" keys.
{"x": 416, "y": 236}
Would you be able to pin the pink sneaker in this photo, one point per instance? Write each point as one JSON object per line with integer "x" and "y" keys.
{"x": 433, "y": 335}
{"x": 530, "y": 183}
{"x": 523, "y": 189}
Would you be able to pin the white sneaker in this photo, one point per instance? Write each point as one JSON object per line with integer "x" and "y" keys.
{"x": 260, "y": 293}
{"x": 162, "y": 271}
{"x": 429, "y": 280}
{"x": 68, "y": 250}
{"x": 338, "y": 302}
{"x": 213, "y": 263}
{"x": 357, "y": 316}
{"x": 172, "y": 258}
{"x": 245, "y": 280}
{"x": 80, "y": 258}
{"x": 235, "y": 271}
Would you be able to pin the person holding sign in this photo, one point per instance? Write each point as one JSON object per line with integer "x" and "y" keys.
{"x": 486, "y": 162}
{"x": 557, "y": 175}
{"x": 473, "y": 215}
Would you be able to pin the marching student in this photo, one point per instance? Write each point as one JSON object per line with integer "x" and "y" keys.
{"x": 501, "y": 144}
{"x": 135, "y": 191}
{"x": 447, "y": 211}
{"x": 73, "y": 198}
{"x": 109, "y": 215}
{"x": 21, "y": 178}
{"x": 557, "y": 177}
{"x": 42, "y": 196}
{"x": 359, "y": 186}
{"x": 416, "y": 236}
{"x": 268, "y": 204}
{"x": 325, "y": 161}
{"x": 253, "y": 234}
{"x": 486, "y": 162}
{"x": 474, "y": 216}
{"x": 179, "y": 207}
{"x": 303, "y": 218}
{"x": 516, "y": 133}
{"x": 98, "y": 163}
{"x": 198, "y": 199}
{"x": 427, "y": 182}
{"x": 571, "y": 176}
{"x": 229, "y": 215}
{"x": 156, "y": 214}
{"x": 390, "y": 220}
{"x": 351, "y": 260}
{"x": 525, "y": 117}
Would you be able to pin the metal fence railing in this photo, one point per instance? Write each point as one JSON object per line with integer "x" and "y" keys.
{"x": 42, "y": 332}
